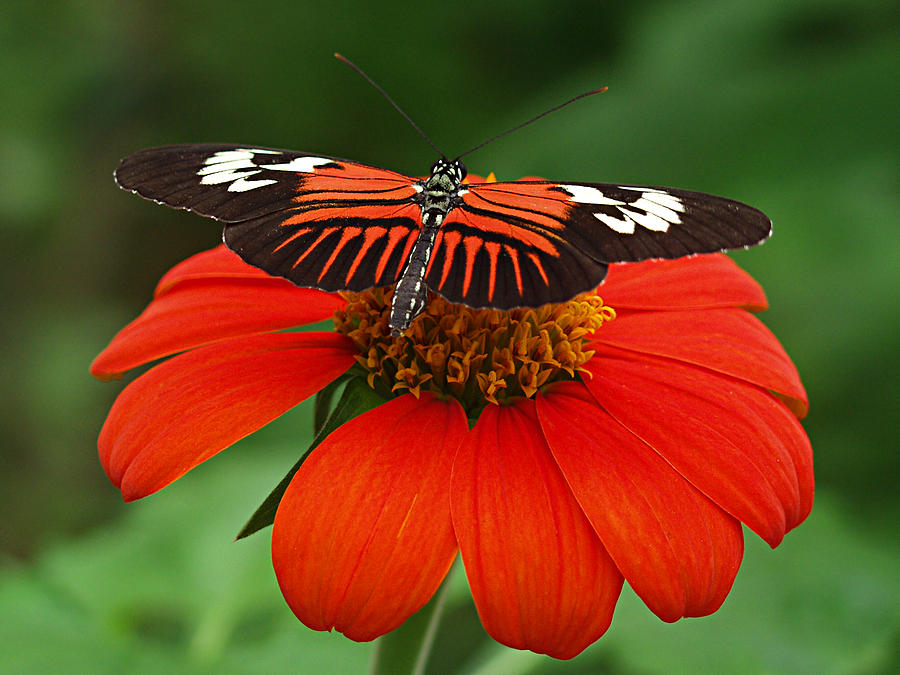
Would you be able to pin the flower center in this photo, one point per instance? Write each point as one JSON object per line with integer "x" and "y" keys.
{"x": 477, "y": 356}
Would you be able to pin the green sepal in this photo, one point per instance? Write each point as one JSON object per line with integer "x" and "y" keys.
{"x": 357, "y": 398}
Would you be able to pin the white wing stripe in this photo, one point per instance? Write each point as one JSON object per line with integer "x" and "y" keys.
{"x": 588, "y": 195}
{"x": 238, "y": 154}
{"x": 226, "y": 166}
{"x": 242, "y": 184}
{"x": 304, "y": 164}
{"x": 225, "y": 176}
{"x": 657, "y": 210}
{"x": 621, "y": 226}
{"x": 649, "y": 221}
{"x": 664, "y": 199}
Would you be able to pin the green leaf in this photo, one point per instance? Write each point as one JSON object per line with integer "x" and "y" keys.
{"x": 323, "y": 402}
{"x": 357, "y": 398}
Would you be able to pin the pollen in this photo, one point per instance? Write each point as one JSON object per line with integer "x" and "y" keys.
{"x": 478, "y": 356}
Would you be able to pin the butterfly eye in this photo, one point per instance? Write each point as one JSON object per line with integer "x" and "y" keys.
{"x": 437, "y": 166}
{"x": 461, "y": 170}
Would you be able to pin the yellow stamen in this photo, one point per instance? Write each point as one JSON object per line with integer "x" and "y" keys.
{"x": 478, "y": 356}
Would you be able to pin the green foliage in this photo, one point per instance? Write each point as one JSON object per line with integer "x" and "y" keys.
{"x": 166, "y": 589}
{"x": 788, "y": 106}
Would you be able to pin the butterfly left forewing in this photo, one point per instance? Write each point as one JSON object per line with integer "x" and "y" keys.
{"x": 232, "y": 182}
{"x": 223, "y": 181}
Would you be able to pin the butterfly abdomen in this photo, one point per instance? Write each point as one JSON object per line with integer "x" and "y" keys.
{"x": 436, "y": 197}
{"x": 410, "y": 294}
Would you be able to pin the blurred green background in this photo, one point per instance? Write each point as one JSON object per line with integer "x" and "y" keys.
{"x": 791, "y": 106}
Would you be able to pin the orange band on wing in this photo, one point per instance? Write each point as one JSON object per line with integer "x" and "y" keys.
{"x": 528, "y": 238}
{"x": 371, "y": 234}
{"x": 540, "y": 268}
{"x": 353, "y": 211}
{"x": 451, "y": 241}
{"x": 492, "y": 248}
{"x": 471, "y": 245}
{"x": 395, "y": 234}
{"x": 514, "y": 257}
{"x": 347, "y": 234}
{"x": 533, "y": 202}
{"x": 299, "y": 233}
{"x": 325, "y": 233}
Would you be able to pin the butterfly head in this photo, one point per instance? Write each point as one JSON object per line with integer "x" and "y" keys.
{"x": 453, "y": 169}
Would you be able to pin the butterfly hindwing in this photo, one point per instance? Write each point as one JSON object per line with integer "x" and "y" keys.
{"x": 487, "y": 258}
{"x": 366, "y": 247}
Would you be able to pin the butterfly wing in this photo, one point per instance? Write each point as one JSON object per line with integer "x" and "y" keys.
{"x": 318, "y": 221}
{"x": 529, "y": 242}
{"x": 334, "y": 224}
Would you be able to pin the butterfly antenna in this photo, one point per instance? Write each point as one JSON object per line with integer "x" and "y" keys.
{"x": 341, "y": 57}
{"x": 534, "y": 119}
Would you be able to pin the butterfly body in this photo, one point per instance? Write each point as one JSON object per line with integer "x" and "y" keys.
{"x": 438, "y": 196}
{"x": 335, "y": 224}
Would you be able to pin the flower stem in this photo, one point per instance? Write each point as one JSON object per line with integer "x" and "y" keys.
{"x": 406, "y": 649}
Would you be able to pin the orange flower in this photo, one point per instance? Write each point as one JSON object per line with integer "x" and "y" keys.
{"x": 617, "y": 439}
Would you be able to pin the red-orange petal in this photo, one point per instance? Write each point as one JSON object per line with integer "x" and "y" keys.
{"x": 539, "y": 574}
{"x": 363, "y": 536}
{"x": 216, "y": 263}
{"x": 185, "y": 410}
{"x": 677, "y": 550}
{"x": 730, "y": 341}
{"x": 735, "y": 442}
{"x": 697, "y": 282}
{"x": 210, "y": 297}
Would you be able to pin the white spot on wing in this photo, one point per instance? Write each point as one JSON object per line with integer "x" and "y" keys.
{"x": 238, "y": 154}
{"x": 303, "y": 164}
{"x": 226, "y": 166}
{"x": 225, "y": 176}
{"x": 649, "y": 221}
{"x": 657, "y": 209}
{"x": 588, "y": 195}
{"x": 621, "y": 226}
{"x": 654, "y": 210}
{"x": 242, "y": 184}
{"x": 665, "y": 199}
{"x": 229, "y": 156}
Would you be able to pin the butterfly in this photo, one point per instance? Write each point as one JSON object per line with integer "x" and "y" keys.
{"x": 334, "y": 224}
